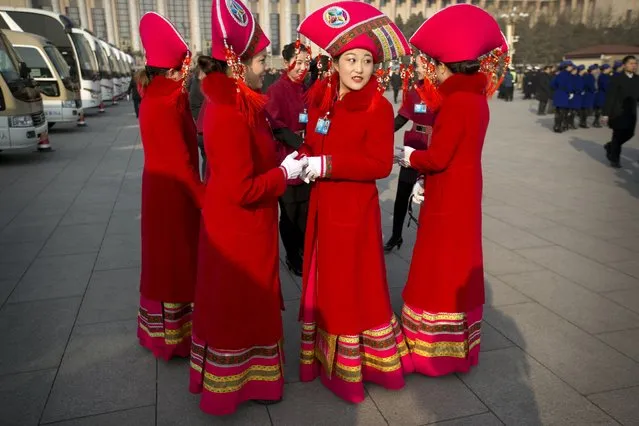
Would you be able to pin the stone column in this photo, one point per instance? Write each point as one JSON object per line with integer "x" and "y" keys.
{"x": 82, "y": 9}
{"x": 108, "y": 17}
{"x": 286, "y": 28}
{"x": 266, "y": 20}
{"x": 135, "y": 26}
{"x": 585, "y": 13}
{"x": 55, "y": 5}
{"x": 196, "y": 35}
{"x": 161, "y": 7}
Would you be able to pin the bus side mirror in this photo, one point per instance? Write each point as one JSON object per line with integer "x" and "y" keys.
{"x": 25, "y": 71}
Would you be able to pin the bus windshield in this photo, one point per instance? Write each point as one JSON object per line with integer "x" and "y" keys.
{"x": 9, "y": 63}
{"x": 103, "y": 62}
{"x": 86, "y": 59}
{"x": 35, "y": 61}
{"x": 114, "y": 66}
{"x": 58, "y": 61}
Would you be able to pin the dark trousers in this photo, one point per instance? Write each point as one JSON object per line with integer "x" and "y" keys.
{"x": 200, "y": 145}
{"x": 395, "y": 94}
{"x": 619, "y": 137}
{"x": 510, "y": 93}
{"x": 407, "y": 179}
{"x": 542, "y": 107}
{"x": 560, "y": 119}
{"x": 596, "y": 123}
{"x": 584, "y": 113}
{"x": 136, "y": 107}
{"x": 293, "y": 215}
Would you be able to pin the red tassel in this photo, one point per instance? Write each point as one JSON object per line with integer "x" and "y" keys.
{"x": 249, "y": 102}
{"x": 407, "y": 73}
{"x": 322, "y": 93}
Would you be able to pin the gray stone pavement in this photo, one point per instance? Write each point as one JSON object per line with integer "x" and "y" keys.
{"x": 561, "y": 331}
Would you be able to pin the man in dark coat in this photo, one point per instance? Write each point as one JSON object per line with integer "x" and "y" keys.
{"x": 620, "y": 109}
{"x": 396, "y": 84}
{"x": 196, "y": 98}
{"x": 543, "y": 91}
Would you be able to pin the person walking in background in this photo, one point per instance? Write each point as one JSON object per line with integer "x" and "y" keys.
{"x": 135, "y": 96}
{"x": 603, "y": 80}
{"x": 288, "y": 115}
{"x": 444, "y": 294}
{"x": 509, "y": 86}
{"x": 418, "y": 137}
{"x": 543, "y": 92}
{"x": 620, "y": 109}
{"x": 196, "y": 101}
{"x": 396, "y": 84}
{"x": 171, "y": 193}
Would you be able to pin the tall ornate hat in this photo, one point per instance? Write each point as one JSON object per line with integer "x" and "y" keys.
{"x": 234, "y": 27}
{"x": 347, "y": 25}
{"x": 461, "y": 32}
{"x": 236, "y": 36}
{"x": 163, "y": 45}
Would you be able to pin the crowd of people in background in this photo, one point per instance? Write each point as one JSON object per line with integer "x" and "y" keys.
{"x": 575, "y": 93}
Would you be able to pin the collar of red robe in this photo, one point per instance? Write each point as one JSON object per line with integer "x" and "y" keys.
{"x": 170, "y": 91}
{"x": 361, "y": 100}
{"x": 219, "y": 88}
{"x": 474, "y": 83}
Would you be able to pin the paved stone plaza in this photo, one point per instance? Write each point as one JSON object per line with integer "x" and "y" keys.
{"x": 560, "y": 338}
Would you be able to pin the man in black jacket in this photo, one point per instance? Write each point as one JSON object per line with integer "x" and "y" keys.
{"x": 543, "y": 92}
{"x": 196, "y": 98}
{"x": 620, "y": 109}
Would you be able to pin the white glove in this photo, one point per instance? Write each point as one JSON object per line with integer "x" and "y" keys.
{"x": 571, "y": 96}
{"x": 404, "y": 157}
{"x": 293, "y": 167}
{"x": 314, "y": 169}
{"x": 418, "y": 192}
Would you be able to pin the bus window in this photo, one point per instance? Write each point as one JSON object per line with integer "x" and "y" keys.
{"x": 9, "y": 64}
{"x": 58, "y": 61}
{"x": 88, "y": 64}
{"x": 34, "y": 60}
{"x": 103, "y": 62}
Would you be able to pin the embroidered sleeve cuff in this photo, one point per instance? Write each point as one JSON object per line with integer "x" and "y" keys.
{"x": 327, "y": 166}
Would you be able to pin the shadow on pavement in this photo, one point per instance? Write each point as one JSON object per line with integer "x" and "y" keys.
{"x": 628, "y": 175}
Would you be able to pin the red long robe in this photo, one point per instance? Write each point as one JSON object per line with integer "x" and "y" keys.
{"x": 238, "y": 289}
{"x": 171, "y": 192}
{"x": 344, "y": 221}
{"x": 447, "y": 268}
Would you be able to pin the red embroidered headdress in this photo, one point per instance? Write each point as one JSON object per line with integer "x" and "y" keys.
{"x": 236, "y": 37}
{"x": 457, "y": 33}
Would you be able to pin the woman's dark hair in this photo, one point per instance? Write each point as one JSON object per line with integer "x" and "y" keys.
{"x": 208, "y": 65}
{"x": 146, "y": 74}
{"x": 289, "y": 51}
{"x": 464, "y": 67}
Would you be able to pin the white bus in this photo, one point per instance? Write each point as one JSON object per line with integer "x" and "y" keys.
{"x": 106, "y": 74}
{"x": 73, "y": 45}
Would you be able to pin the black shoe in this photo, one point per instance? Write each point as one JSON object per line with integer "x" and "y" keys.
{"x": 267, "y": 401}
{"x": 295, "y": 269}
{"x": 607, "y": 148}
{"x": 584, "y": 126}
{"x": 392, "y": 242}
{"x": 615, "y": 164}
{"x": 596, "y": 124}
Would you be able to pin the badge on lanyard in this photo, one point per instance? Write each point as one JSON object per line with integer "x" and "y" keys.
{"x": 303, "y": 117}
{"x": 323, "y": 124}
{"x": 420, "y": 108}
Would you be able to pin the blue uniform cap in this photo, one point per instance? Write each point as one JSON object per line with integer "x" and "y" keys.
{"x": 618, "y": 64}
{"x": 593, "y": 67}
{"x": 605, "y": 67}
{"x": 581, "y": 67}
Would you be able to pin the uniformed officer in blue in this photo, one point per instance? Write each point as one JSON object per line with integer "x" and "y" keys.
{"x": 588, "y": 94}
{"x": 603, "y": 81}
{"x": 562, "y": 88}
{"x": 577, "y": 88}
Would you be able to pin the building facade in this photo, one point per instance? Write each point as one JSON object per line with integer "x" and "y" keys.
{"x": 117, "y": 20}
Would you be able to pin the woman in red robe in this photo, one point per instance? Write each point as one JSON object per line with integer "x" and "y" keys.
{"x": 237, "y": 325}
{"x": 444, "y": 294}
{"x": 171, "y": 192}
{"x": 287, "y": 113}
{"x": 349, "y": 332}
